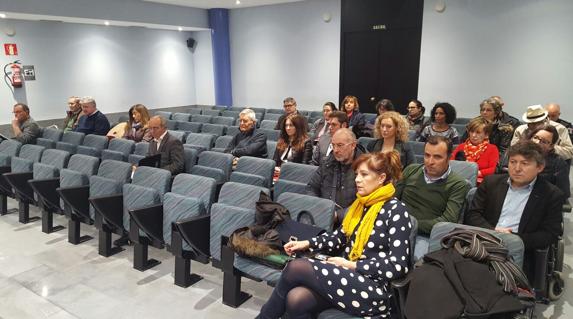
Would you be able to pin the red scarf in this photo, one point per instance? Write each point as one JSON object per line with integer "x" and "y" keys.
{"x": 473, "y": 152}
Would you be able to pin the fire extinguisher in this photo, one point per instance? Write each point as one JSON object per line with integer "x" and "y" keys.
{"x": 15, "y": 76}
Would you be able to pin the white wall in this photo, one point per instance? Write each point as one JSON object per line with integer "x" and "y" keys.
{"x": 118, "y": 66}
{"x": 203, "y": 63}
{"x": 519, "y": 49}
{"x": 285, "y": 50}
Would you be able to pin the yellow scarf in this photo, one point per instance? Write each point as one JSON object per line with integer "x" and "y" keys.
{"x": 375, "y": 201}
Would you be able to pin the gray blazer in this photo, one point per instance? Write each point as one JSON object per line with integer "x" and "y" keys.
{"x": 171, "y": 150}
{"x": 30, "y": 132}
{"x": 319, "y": 152}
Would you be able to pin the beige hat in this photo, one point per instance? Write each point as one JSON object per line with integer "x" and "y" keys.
{"x": 534, "y": 114}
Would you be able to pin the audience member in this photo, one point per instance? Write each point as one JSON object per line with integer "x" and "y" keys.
{"x": 478, "y": 149}
{"x": 369, "y": 250}
{"x": 536, "y": 116}
{"x": 248, "y": 142}
{"x": 554, "y": 113}
{"x": 289, "y": 105}
{"x": 384, "y": 105}
{"x": 502, "y": 124}
{"x": 92, "y": 120}
{"x": 25, "y": 129}
{"x": 432, "y": 192}
{"x": 294, "y": 144}
{"x": 320, "y": 126}
{"x": 443, "y": 114}
{"x": 170, "y": 147}
{"x": 322, "y": 150}
{"x": 334, "y": 178}
{"x": 137, "y": 128}
{"x": 73, "y": 114}
{"x": 504, "y": 117}
{"x": 523, "y": 203}
{"x": 391, "y": 131}
{"x": 415, "y": 117}
{"x": 356, "y": 120}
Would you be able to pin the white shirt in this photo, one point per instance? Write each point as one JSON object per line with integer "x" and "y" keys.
{"x": 160, "y": 139}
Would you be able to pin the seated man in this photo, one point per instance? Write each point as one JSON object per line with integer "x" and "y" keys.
{"x": 170, "y": 148}
{"x": 432, "y": 192}
{"x": 248, "y": 142}
{"x": 535, "y": 117}
{"x": 554, "y": 114}
{"x": 73, "y": 114}
{"x": 336, "y": 120}
{"x": 334, "y": 178}
{"x": 25, "y": 129}
{"x": 523, "y": 203}
{"x": 289, "y": 105}
{"x": 92, "y": 121}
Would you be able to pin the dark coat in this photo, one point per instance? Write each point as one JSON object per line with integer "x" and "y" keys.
{"x": 540, "y": 223}
{"x": 251, "y": 143}
{"x": 171, "y": 150}
{"x": 303, "y": 156}
{"x": 96, "y": 123}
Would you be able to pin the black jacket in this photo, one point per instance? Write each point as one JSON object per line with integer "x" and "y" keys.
{"x": 304, "y": 156}
{"x": 171, "y": 150}
{"x": 251, "y": 143}
{"x": 406, "y": 152}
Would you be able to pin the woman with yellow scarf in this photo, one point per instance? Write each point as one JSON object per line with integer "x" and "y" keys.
{"x": 370, "y": 249}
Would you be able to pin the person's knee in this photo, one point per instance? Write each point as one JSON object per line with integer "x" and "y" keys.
{"x": 299, "y": 300}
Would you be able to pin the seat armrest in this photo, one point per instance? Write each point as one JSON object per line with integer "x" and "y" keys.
{"x": 110, "y": 207}
{"x": 196, "y": 232}
{"x": 77, "y": 198}
{"x": 150, "y": 220}
{"x": 227, "y": 256}
{"x": 19, "y": 182}
{"x": 46, "y": 191}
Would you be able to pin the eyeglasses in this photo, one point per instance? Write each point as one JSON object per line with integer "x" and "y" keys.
{"x": 288, "y": 105}
{"x": 412, "y": 107}
{"x": 540, "y": 140}
{"x": 340, "y": 145}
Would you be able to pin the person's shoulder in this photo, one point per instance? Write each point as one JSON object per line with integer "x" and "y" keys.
{"x": 411, "y": 169}
{"x": 564, "y": 123}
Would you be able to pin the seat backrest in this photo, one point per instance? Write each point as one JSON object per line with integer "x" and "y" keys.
{"x": 115, "y": 170}
{"x": 236, "y": 109}
{"x": 461, "y": 128}
{"x": 233, "y": 114}
{"x": 96, "y": 141}
{"x": 272, "y": 135}
{"x": 156, "y": 178}
{"x": 122, "y": 145}
{"x": 194, "y": 111}
{"x": 201, "y": 118}
{"x": 74, "y": 138}
{"x": 268, "y": 124}
{"x": 172, "y": 125}
{"x": 232, "y": 130}
{"x": 203, "y": 188}
{"x": 321, "y": 209}
{"x": 164, "y": 114}
{"x": 467, "y": 170}
{"x": 148, "y": 186}
{"x": 190, "y": 158}
{"x": 205, "y": 140}
{"x": 418, "y": 147}
{"x": 240, "y": 195}
{"x": 466, "y": 205}
{"x": 80, "y": 168}
{"x": 53, "y": 134}
{"x": 411, "y": 135}
{"x": 192, "y": 127}
{"x": 364, "y": 141}
{"x": 257, "y": 166}
{"x": 223, "y": 120}
{"x": 271, "y": 148}
{"x": 297, "y": 172}
{"x": 141, "y": 148}
{"x": 222, "y": 161}
{"x": 29, "y": 154}
{"x": 182, "y": 117}
{"x": 211, "y": 112}
{"x": 272, "y": 116}
{"x": 215, "y": 129}
{"x": 8, "y": 149}
{"x": 180, "y": 135}
{"x": 463, "y": 121}
{"x": 49, "y": 166}
{"x": 223, "y": 141}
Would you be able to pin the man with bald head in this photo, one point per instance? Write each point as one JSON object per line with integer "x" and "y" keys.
{"x": 554, "y": 114}
{"x": 170, "y": 147}
{"x": 334, "y": 178}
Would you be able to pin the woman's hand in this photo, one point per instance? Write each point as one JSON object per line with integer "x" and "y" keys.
{"x": 341, "y": 262}
{"x": 293, "y": 246}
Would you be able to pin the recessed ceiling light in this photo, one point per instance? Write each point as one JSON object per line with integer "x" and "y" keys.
{"x": 3, "y": 15}
{"x": 180, "y": 28}
{"x": 106, "y": 23}
{"x": 238, "y": 2}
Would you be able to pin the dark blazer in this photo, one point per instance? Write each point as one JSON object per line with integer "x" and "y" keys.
{"x": 406, "y": 152}
{"x": 540, "y": 223}
{"x": 303, "y": 157}
{"x": 251, "y": 143}
{"x": 171, "y": 150}
{"x": 320, "y": 149}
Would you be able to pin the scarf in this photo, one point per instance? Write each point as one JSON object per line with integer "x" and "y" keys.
{"x": 375, "y": 201}
{"x": 473, "y": 152}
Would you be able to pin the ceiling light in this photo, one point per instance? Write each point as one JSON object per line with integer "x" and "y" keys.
{"x": 3, "y": 15}
{"x": 180, "y": 28}
{"x": 106, "y": 23}
{"x": 238, "y": 2}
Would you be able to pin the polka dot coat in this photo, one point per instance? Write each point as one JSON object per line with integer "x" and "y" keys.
{"x": 365, "y": 291}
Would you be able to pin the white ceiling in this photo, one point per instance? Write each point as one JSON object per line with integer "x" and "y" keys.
{"x": 227, "y": 4}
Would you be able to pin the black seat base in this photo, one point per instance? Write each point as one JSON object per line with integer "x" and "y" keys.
{"x": 183, "y": 276}
{"x": 48, "y": 222}
{"x": 24, "y": 213}
{"x": 141, "y": 261}
{"x": 232, "y": 294}
{"x": 74, "y": 231}
{"x": 104, "y": 244}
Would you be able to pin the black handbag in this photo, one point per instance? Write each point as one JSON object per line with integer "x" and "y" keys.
{"x": 302, "y": 229}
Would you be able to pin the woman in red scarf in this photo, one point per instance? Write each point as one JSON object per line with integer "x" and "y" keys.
{"x": 478, "y": 149}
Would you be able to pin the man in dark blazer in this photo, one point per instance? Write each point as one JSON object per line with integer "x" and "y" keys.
{"x": 523, "y": 203}
{"x": 336, "y": 120}
{"x": 170, "y": 148}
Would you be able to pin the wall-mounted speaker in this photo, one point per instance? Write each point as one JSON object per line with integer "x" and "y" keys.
{"x": 191, "y": 43}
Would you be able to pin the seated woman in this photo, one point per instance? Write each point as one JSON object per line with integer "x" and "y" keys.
{"x": 415, "y": 117}
{"x": 391, "y": 131}
{"x": 381, "y": 107}
{"x": 443, "y": 114}
{"x": 136, "y": 128}
{"x": 556, "y": 170}
{"x": 478, "y": 149}
{"x": 356, "y": 120}
{"x": 294, "y": 144}
{"x": 370, "y": 249}
{"x": 320, "y": 126}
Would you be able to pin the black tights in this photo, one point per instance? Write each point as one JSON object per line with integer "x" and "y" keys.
{"x": 298, "y": 292}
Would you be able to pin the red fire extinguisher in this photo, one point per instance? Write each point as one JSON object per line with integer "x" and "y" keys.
{"x": 15, "y": 76}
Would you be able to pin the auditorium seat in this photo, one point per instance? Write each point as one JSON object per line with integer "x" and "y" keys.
{"x": 201, "y": 118}
{"x": 213, "y": 113}
{"x": 233, "y": 114}
{"x": 254, "y": 171}
{"x": 293, "y": 178}
{"x": 232, "y": 130}
{"x": 195, "y": 111}
{"x": 139, "y": 152}
{"x": 70, "y": 141}
{"x": 181, "y": 117}
{"x": 270, "y": 116}
{"x": 215, "y": 165}
{"x": 268, "y": 124}
{"x": 200, "y": 142}
{"x": 190, "y": 127}
{"x": 49, "y": 137}
{"x": 364, "y": 141}
{"x": 275, "y": 111}
{"x": 190, "y": 158}
{"x": 213, "y": 129}
{"x": 164, "y": 114}
{"x": 272, "y": 135}
{"x": 118, "y": 149}
{"x": 223, "y": 120}
{"x": 8, "y": 150}
{"x": 93, "y": 145}
{"x": 271, "y": 148}
{"x": 180, "y": 135}
{"x": 221, "y": 143}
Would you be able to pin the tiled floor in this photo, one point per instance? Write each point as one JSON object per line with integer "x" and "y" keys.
{"x": 43, "y": 276}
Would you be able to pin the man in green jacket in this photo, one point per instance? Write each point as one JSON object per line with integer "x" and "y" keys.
{"x": 432, "y": 192}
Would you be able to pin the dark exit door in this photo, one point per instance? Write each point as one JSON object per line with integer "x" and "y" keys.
{"x": 380, "y": 51}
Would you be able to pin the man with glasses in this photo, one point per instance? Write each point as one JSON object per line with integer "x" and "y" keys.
{"x": 336, "y": 120}
{"x": 170, "y": 147}
{"x": 554, "y": 111}
{"x": 289, "y": 105}
{"x": 334, "y": 178}
{"x": 92, "y": 121}
{"x": 25, "y": 129}
{"x": 248, "y": 142}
